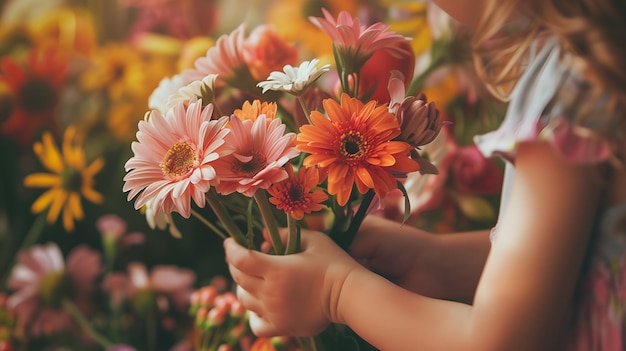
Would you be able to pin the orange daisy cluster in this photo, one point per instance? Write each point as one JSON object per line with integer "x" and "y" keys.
{"x": 354, "y": 145}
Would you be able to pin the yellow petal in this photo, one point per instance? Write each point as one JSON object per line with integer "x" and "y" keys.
{"x": 49, "y": 154}
{"x": 43, "y": 201}
{"x": 42, "y": 180}
{"x": 74, "y": 205}
{"x": 94, "y": 167}
{"x": 68, "y": 221}
{"x": 92, "y": 195}
{"x": 57, "y": 204}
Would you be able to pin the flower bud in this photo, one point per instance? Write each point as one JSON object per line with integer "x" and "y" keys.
{"x": 420, "y": 121}
{"x": 215, "y": 317}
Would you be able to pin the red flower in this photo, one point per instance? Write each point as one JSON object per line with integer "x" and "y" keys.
{"x": 473, "y": 174}
{"x": 376, "y": 72}
{"x": 264, "y": 51}
{"x": 34, "y": 94}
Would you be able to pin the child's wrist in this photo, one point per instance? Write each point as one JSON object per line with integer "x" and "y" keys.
{"x": 353, "y": 284}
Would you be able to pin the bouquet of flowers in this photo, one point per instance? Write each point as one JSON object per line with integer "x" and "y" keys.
{"x": 292, "y": 148}
{"x": 299, "y": 118}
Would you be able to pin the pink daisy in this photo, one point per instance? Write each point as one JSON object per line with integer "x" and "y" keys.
{"x": 354, "y": 42}
{"x": 171, "y": 285}
{"x": 174, "y": 157}
{"x": 224, "y": 59}
{"x": 42, "y": 279}
{"x": 261, "y": 151}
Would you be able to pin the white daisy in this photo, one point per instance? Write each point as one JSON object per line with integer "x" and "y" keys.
{"x": 160, "y": 96}
{"x": 200, "y": 89}
{"x": 294, "y": 80}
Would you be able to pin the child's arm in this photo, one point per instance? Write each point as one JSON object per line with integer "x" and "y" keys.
{"x": 525, "y": 292}
{"x": 444, "y": 266}
{"x": 521, "y": 303}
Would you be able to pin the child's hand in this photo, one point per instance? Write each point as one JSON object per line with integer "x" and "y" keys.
{"x": 295, "y": 294}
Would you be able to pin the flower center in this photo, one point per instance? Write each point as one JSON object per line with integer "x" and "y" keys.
{"x": 248, "y": 166}
{"x": 353, "y": 146}
{"x": 37, "y": 95}
{"x": 72, "y": 179}
{"x": 296, "y": 193}
{"x": 179, "y": 160}
{"x": 144, "y": 302}
{"x": 53, "y": 288}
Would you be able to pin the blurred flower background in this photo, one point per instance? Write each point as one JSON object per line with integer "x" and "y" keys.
{"x": 80, "y": 268}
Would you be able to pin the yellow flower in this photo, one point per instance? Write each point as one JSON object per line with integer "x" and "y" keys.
{"x": 71, "y": 29}
{"x": 115, "y": 68}
{"x": 70, "y": 178}
{"x": 128, "y": 75}
{"x": 411, "y": 20}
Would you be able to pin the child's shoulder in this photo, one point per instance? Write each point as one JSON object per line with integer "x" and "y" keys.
{"x": 552, "y": 102}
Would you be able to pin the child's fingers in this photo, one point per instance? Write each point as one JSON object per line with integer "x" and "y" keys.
{"x": 262, "y": 328}
{"x": 249, "y": 301}
{"x": 251, "y": 283}
{"x": 248, "y": 261}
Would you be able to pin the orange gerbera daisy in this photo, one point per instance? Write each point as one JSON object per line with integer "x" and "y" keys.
{"x": 294, "y": 196}
{"x": 253, "y": 110}
{"x": 354, "y": 145}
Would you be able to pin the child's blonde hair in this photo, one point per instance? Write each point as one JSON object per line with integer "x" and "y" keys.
{"x": 593, "y": 31}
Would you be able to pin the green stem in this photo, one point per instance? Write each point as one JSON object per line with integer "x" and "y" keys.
{"x": 151, "y": 331}
{"x": 345, "y": 238}
{"x": 8, "y": 258}
{"x": 270, "y": 221}
{"x": 73, "y": 311}
{"x": 293, "y": 239}
{"x": 418, "y": 83}
{"x": 208, "y": 224}
{"x": 221, "y": 213}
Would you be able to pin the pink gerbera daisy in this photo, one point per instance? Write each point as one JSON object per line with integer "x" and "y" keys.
{"x": 261, "y": 151}
{"x": 174, "y": 158}
{"x": 170, "y": 285}
{"x": 226, "y": 60}
{"x": 42, "y": 280}
{"x": 354, "y": 42}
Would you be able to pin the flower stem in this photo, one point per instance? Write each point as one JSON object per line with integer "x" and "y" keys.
{"x": 208, "y": 224}
{"x": 9, "y": 252}
{"x": 345, "y": 238}
{"x": 221, "y": 213}
{"x": 270, "y": 221}
{"x": 305, "y": 109}
{"x": 293, "y": 239}
{"x": 73, "y": 311}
